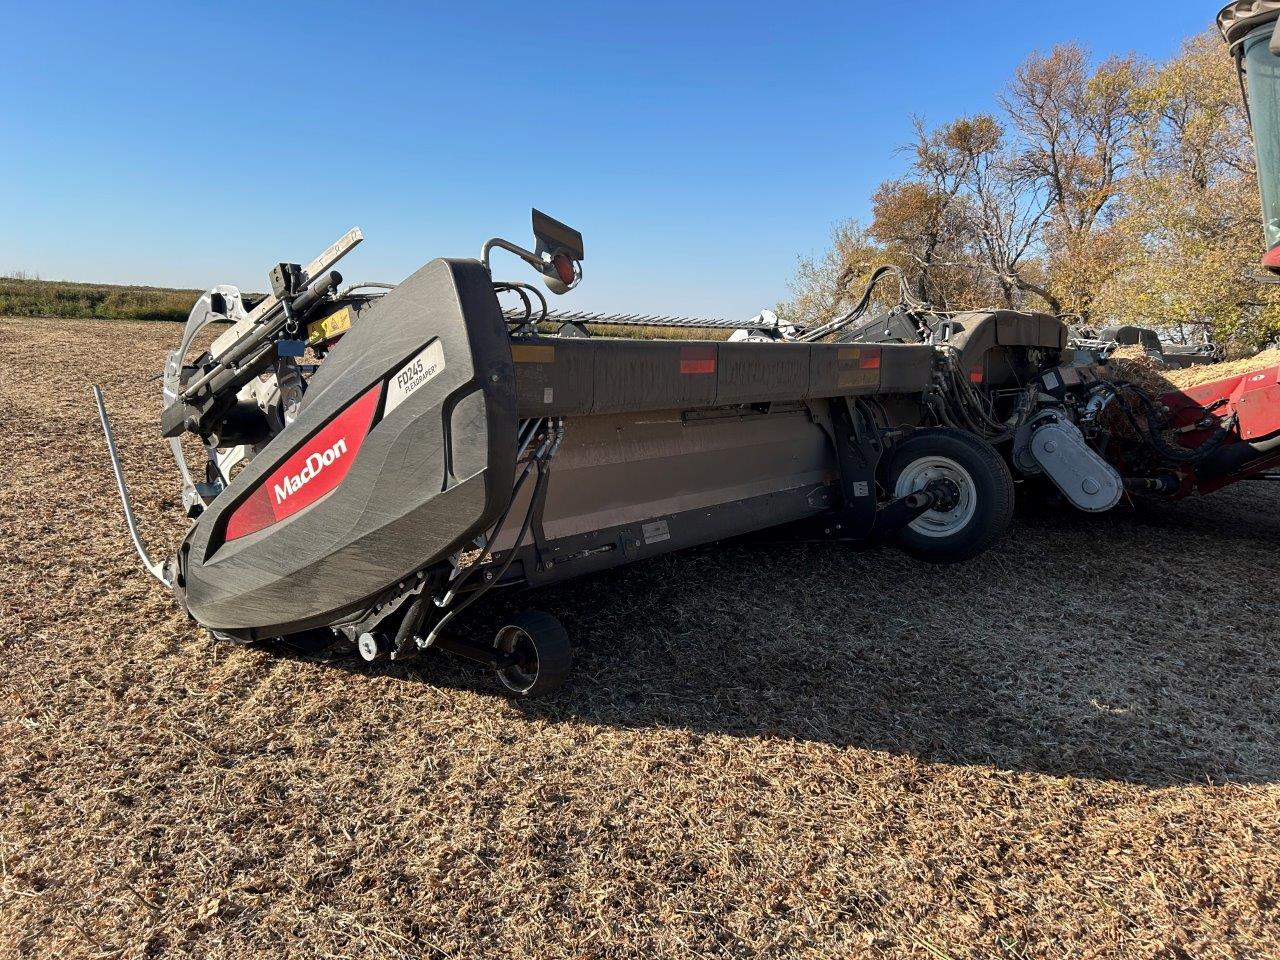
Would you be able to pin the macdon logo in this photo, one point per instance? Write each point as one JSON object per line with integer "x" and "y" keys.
{"x": 315, "y": 463}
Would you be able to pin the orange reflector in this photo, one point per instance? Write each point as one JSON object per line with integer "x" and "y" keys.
{"x": 527, "y": 353}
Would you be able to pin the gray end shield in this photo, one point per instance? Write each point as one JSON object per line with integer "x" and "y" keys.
{"x": 404, "y": 450}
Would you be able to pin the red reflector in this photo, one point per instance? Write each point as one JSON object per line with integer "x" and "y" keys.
{"x": 697, "y": 359}
{"x": 870, "y": 360}
{"x": 314, "y": 470}
{"x": 975, "y": 375}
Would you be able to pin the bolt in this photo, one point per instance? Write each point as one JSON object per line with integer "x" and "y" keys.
{"x": 369, "y": 647}
{"x": 1050, "y": 446}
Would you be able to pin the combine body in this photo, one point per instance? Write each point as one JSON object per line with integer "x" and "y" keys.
{"x": 1237, "y": 418}
{"x": 1247, "y": 407}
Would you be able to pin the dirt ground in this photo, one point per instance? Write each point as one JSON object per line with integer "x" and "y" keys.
{"x": 1067, "y": 748}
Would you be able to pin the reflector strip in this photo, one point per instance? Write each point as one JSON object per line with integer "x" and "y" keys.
{"x": 871, "y": 361}
{"x": 315, "y": 469}
{"x": 697, "y": 359}
{"x": 524, "y": 353}
{"x": 975, "y": 375}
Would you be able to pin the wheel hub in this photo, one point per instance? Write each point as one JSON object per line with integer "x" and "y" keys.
{"x": 946, "y": 494}
{"x": 953, "y": 487}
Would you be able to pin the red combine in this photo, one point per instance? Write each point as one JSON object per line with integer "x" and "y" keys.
{"x": 1244, "y": 408}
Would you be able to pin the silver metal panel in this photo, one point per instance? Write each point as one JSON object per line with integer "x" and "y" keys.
{"x": 639, "y": 468}
{"x": 1084, "y": 478}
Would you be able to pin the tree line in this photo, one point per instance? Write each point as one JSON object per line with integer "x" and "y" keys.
{"x": 1119, "y": 191}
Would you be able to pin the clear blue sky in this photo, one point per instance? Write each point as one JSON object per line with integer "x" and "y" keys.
{"x": 186, "y": 145}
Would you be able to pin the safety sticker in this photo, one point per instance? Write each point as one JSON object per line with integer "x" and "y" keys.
{"x": 655, "y": 532}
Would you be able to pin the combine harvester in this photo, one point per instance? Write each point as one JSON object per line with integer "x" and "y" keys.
{"x": 377, "y": 458}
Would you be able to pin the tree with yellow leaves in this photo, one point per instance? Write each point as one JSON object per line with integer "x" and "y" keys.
{"x": 1121, "y": 192}
{"x": 1190, "y": 222}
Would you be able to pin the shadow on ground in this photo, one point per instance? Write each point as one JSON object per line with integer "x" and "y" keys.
{"x": 1138, "y": 647}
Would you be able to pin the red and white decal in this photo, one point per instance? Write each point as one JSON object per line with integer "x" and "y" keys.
{"x": 316, "y": 468}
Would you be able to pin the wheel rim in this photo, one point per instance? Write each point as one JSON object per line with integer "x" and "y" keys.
{"x": 939, "y": 523}
{"x": 520, "y": 676}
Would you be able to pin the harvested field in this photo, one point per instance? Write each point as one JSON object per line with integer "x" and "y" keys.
{"x": 1068, "y": 748}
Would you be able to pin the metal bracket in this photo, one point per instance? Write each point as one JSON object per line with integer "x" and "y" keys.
{"x": 155, "y": 569}
{"x": 858, "y": 457}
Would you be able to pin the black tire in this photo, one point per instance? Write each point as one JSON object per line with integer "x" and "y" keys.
{"x": 986, "y": 507}
{"x": 544, "y": 654}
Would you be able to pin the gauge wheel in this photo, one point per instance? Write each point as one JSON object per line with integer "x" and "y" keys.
{"x": 976, "y": 489}
{"x": 542, "y": 655}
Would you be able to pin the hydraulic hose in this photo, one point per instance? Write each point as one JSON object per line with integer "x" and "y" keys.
{"x": 511, "y": 555}
{"x": 904, "y": 295}
{"x": 1228, "y": 460}
{"x": 961, "y": 405}
{"x": 1151, "y": 432}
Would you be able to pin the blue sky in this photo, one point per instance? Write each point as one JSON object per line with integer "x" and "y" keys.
{"x": 700, "y": 148}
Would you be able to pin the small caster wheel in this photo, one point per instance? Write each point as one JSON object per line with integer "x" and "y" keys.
{"x": 372, "y": 647}
{"x": 541, "y": 654}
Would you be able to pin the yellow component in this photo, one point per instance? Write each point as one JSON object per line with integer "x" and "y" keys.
{"x": 524, "y": 353}
{"x": 849, "y": 353}
{"x": 327, "y": 328}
